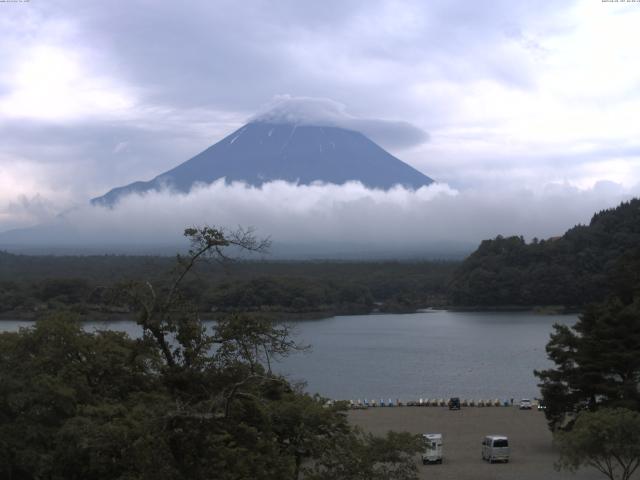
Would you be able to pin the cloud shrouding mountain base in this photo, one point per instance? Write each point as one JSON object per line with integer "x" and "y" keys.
{"x": 325, "y": 219}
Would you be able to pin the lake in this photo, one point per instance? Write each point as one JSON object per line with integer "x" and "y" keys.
{"x": 432, "y": 354}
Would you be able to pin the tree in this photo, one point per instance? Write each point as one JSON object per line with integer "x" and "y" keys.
{"x": 188, "y": 400}
{"x": 55, "y": 380}
{"x": 580, "y": 267}
{"x": 361, "y": 456}
{"x": 607, "y": 440}
{"x": 165, "y": 313}
{"x": 306, "y": 427}
{"x": 597, "y": 362}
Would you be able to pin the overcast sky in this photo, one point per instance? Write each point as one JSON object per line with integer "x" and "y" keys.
{"x": 490, "y": 97}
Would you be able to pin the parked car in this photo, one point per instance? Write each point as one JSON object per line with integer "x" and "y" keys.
{"x": 432, "y": 448}
{"x": 454, "y": 403}
{"x": 495, "y": 448}
{"x": 525, "y": 404}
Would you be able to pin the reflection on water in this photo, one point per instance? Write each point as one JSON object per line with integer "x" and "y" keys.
{"x": 478, "y": 355}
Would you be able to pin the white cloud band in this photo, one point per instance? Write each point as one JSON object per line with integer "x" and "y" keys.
{"x": 319, "y": 216}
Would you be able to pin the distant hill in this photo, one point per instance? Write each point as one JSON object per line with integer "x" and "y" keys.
{"x": 263, "y": 151}
{"x": 584, "y": 265}
{"x": 35, "y": 285}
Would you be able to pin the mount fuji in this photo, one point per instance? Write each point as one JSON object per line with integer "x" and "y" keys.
{"x": 268, "y": 149}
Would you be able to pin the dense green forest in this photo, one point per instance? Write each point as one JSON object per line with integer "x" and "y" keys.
{"x": 584, "y": 265}
{"x": 31, "y": 285}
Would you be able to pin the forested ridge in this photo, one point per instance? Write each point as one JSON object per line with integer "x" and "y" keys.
{"x": 584, "y": 265}
{"x": 31, "y": 285}
{"x": 580, "y": 267}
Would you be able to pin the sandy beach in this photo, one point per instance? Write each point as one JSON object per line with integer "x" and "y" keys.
{"x": 532, "y": 454}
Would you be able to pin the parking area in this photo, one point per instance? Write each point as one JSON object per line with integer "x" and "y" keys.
{"x": 532, "y": 454}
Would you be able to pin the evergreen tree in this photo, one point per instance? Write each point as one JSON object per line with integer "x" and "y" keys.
{"x": 597, "y": 362}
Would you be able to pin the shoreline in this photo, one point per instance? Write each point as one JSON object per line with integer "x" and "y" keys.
{"x": 305, "y": 316}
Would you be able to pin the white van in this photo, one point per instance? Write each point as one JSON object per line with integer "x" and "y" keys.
{"x": 432, "y": 448}
{"x": 525, "y": 404}
{"x": 495, "y": 448}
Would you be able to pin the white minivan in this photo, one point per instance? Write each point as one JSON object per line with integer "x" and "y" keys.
{"x": 495, "y": 448}
{"x": 432, "y": 448}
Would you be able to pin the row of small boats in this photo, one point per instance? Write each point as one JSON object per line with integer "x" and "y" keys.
{"x": 426, "y": 402}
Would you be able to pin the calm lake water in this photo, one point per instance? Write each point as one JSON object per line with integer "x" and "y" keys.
{"x": 435, "y": 354}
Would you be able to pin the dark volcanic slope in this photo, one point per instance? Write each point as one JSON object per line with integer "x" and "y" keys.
{"x": 260, "y": 152}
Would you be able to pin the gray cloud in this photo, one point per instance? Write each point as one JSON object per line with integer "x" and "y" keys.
{"x": 327, "y": 112}
{"x": 499, "y": 85}
{"x": 237, "y": 55}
